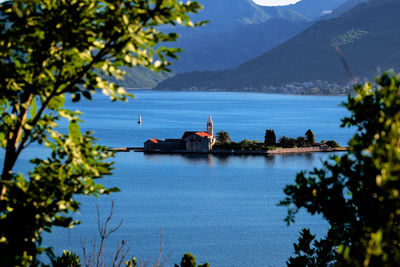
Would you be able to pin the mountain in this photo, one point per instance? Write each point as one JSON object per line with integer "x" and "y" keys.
{"x": 316, "y": 8}
{"x": 205, "y": 50}
{"x": 368, "y": 35}
{"x": 141, "y": 77}
{"x": 350, "y": 4}
{"x": 228, "y": 13}
{"x": 238, "y": 30}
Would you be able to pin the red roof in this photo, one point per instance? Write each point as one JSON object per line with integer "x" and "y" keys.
{"x": 203, "y": 134}
{"x": 154, "y": 140}
{"x": 187, "y": 134}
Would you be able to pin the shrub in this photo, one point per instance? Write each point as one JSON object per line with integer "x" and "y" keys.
{"x": 357, "y": 193}
{"x": 332, "y": 144}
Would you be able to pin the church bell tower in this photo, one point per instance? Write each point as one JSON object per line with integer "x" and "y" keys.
{"x": 210, "y": 126}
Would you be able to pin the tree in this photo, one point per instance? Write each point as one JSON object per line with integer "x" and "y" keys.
{"x": 287, "y": 142}
{"x": 224, "y": 137}
{"x": 358, "y": 193}
{"x": 50, "y": 50}
{"x": 321, "y": 254}
{"x": 310, "y": 137}
{"x": 270, "y": 137}
{"x": 301, "y": 141}
{"x": 332, "y": 144}
{"x": 69, "y": 259}
{"x": 188, "y": 260}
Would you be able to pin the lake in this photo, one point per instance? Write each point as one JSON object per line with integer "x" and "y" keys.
{"x": 221, "y": 209}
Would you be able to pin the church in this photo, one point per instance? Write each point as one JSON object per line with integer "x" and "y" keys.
{"x": 191, "y": 141}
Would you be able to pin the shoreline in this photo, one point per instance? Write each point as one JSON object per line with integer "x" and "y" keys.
{"x": 236, "y": 152}
{"x": 249, "y": 91}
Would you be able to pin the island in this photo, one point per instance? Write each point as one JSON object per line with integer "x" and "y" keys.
{"x": 204, "y": 142}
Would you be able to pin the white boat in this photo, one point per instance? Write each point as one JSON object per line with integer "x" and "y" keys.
{"x": 140, "y": 119}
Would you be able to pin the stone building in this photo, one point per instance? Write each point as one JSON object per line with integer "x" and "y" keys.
{"x": 199, "y": 142}
{"x": 191, "y": 141}
{"x": 164, "y": 145}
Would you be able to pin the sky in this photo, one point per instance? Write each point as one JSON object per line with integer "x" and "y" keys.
{"x": 275, "y": 2}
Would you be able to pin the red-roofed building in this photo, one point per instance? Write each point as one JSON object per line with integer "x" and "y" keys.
{"x": 199, "y": 142}
{"x": 191, "y": 141}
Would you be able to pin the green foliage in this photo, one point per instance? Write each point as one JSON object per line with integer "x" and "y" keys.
{"x": 269, "y": 142}
{"x": 270, "y": 137}
{"x": 141, "y": 77}
{"x": 224, "y": 137}
{"x": 188, "y": 260}
{"x": 348, "y": 37}
{"x": 332, "y": 144}
{"x": 131, "y": 263}
{"x": 287, "y": 142}
{"x": 49, "y": 50}
{"x": 358, "y": 193}
{"x": 310, "y": 137}
{"x": 310, "y": 252}
{"x": 251, "y": 145}
{"x": 68, "y": 259}
{"x": 242, "y": 145}
{"x": 301, "y": 141}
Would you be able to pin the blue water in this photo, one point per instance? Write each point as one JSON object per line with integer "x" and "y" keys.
{"x": 221, "y": 209}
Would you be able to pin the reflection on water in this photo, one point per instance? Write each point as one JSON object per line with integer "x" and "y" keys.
{"x": 225, "y": 159}
{"x": 190, "y": 158}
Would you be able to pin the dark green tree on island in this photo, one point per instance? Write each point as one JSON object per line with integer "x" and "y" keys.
{"x": 223, "y": 137}
{"x": 270, "y": 137}
{"x": 51, "y": 50}
{"x": 310, "y": 137}
{"x": 357, "y": 193}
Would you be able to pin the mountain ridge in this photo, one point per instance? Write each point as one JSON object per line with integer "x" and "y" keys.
{"x": 309, "y": 56}
{"x": 239, "y": 30}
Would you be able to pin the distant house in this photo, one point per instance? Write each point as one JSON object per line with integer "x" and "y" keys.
{"x": 322, "y": 146}
{"x": 191, "y": 141}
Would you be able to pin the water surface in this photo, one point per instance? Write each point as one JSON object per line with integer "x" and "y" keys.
{"x": 221, "y": 209}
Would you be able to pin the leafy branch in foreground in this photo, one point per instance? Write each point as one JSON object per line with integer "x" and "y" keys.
{"x": 48, "y": 50}
{"x": 358, "y": 193}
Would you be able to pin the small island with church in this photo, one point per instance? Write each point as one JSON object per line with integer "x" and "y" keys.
{"x": 204, "y": 142}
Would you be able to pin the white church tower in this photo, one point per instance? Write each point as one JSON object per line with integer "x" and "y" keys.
{"x": 210, "y": 126}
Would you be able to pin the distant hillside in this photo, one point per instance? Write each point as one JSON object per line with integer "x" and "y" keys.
{"x": 239, "y": 30}
{"x": 368, "y": 35}
{"x": 216, "y": 51}
{"x": 350, "y": 4}
{"x": 141, "y": 77}
{"x": 316, "y": 8}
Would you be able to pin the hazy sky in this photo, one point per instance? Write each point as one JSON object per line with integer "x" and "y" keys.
{"x": 275, "y": 2}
